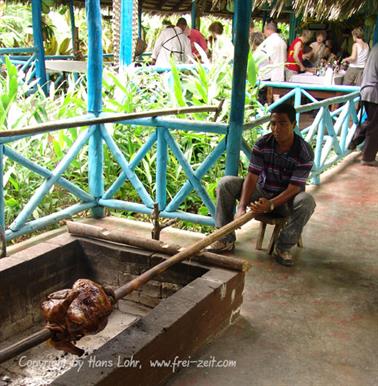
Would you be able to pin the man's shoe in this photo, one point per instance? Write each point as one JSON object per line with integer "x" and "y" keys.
{"x": 369, "y": 163}
{"x": 220, "y": 246}
{"x": 284, "y": 257}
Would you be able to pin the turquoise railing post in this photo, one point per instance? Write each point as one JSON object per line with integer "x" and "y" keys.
{"x": 297, "y": 103}
{"x": 95, "y": 152}
{"x": 2, "y": 203}
{"x": 318, "y": 148}
{"x": 194, "y": 14}
{"x": 161, "y": 171}
{"x": 242, "y": 19}
{"x": 345, "y": 126}
{"x": 38, "y": 43}
{"x": 126, "y": 33}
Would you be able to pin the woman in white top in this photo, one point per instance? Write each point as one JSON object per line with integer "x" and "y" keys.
{"x": 221, "y": 48}
{"x": 318, "y": 48}
{"x": 357, "y": 60}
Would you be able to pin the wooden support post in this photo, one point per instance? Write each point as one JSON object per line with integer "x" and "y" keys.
{"x": 157, "y": 226}
{"x": 260, "y": 238}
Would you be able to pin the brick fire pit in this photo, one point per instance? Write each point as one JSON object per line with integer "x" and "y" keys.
{"x": 170, "y": 317}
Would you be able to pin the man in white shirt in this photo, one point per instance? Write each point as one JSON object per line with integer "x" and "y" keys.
{"x": 276, "y": 50}
{"x": 172, "y": 42}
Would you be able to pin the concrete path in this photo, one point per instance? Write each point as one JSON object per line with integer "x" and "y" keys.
{"x": 315, "y": 323}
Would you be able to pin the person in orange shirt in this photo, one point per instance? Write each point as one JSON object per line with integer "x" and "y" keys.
{"x": 295, "y": 55}
{"x": 195, "y": 38}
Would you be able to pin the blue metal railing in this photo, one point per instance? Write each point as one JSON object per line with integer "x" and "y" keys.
{"x": 330, "y": 133}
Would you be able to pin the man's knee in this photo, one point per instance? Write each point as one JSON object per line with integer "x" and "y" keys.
{"x": 228, "y": 183}
{"x": 304, "y": 202}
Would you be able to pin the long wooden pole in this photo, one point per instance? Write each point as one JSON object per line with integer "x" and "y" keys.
{"x": 108, "y": 118}
{"x": 44, "y": 334}
{"x": 91, "y": 231}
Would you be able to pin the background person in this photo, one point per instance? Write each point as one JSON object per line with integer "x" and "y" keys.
{"x": 295, "y": 55}
{"x": 221, "y": 47}
{"x": 368, "y": 132}
{"x": 172, "y": 42}
{"x": 196, "y": 37}
{"x": 276, "y": 50}
{"x": 318, "y": 48}
{"x": 357, "y": 60}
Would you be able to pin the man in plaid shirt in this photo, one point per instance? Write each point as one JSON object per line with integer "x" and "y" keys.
{"x": 280, "y": 164}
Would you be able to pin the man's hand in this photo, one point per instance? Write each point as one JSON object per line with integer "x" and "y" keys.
{"x": 261, "y": 206}
{"x": 241, "y": 210}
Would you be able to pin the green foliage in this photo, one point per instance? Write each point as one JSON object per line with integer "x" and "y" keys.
{"x": 130, "y": 91}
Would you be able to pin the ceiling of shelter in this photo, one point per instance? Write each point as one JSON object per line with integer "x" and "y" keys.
{"x": 315, "y": 9}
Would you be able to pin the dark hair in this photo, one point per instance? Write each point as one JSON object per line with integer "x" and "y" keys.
{"x": 272, "y": 25}
{"x": 307, "y": 49}
{"x": 256, "y": 38}
{"x": 216, "y": 27}
{"x": 181, "y": 21}
{"x": 286, "y": 108}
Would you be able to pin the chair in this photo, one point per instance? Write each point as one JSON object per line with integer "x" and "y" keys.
{"x": 278, "y": 222}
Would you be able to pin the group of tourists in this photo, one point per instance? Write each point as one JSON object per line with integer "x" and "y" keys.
{"x": 278, "y": 63}
{"x": 187, "y": 44}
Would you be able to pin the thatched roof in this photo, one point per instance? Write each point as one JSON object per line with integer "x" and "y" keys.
{"x": 325, "y": 9}
{"x": 315, "y": 9}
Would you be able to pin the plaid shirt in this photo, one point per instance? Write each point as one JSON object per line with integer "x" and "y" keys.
{"x": 276, "y": 171}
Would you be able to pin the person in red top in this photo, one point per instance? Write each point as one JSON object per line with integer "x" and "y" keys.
{"x": 195, "y": 36}
{"x": 295, "y": 55}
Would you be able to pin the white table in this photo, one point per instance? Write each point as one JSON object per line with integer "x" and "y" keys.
{"x": 309, "y": 78}
{"x": 66, "y": 66}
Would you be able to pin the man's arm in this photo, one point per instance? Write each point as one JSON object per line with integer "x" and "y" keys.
{"x": 248, "y": 189}
{"x": 352, "y": 58}
{"x": 263, "y": 205}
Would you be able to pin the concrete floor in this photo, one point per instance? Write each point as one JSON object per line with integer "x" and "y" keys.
{"x": 315, "y": 323}
{"x": 312, "y": 324}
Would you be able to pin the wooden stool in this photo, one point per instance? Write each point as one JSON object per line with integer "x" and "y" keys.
{"x": 278, "y": 223}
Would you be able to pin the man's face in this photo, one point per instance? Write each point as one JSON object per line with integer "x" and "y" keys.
{"x": 281, "y": 127}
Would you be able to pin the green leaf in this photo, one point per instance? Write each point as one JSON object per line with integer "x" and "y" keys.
{"x": 252, "y": 70}
{"x": 177, "y": 86}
